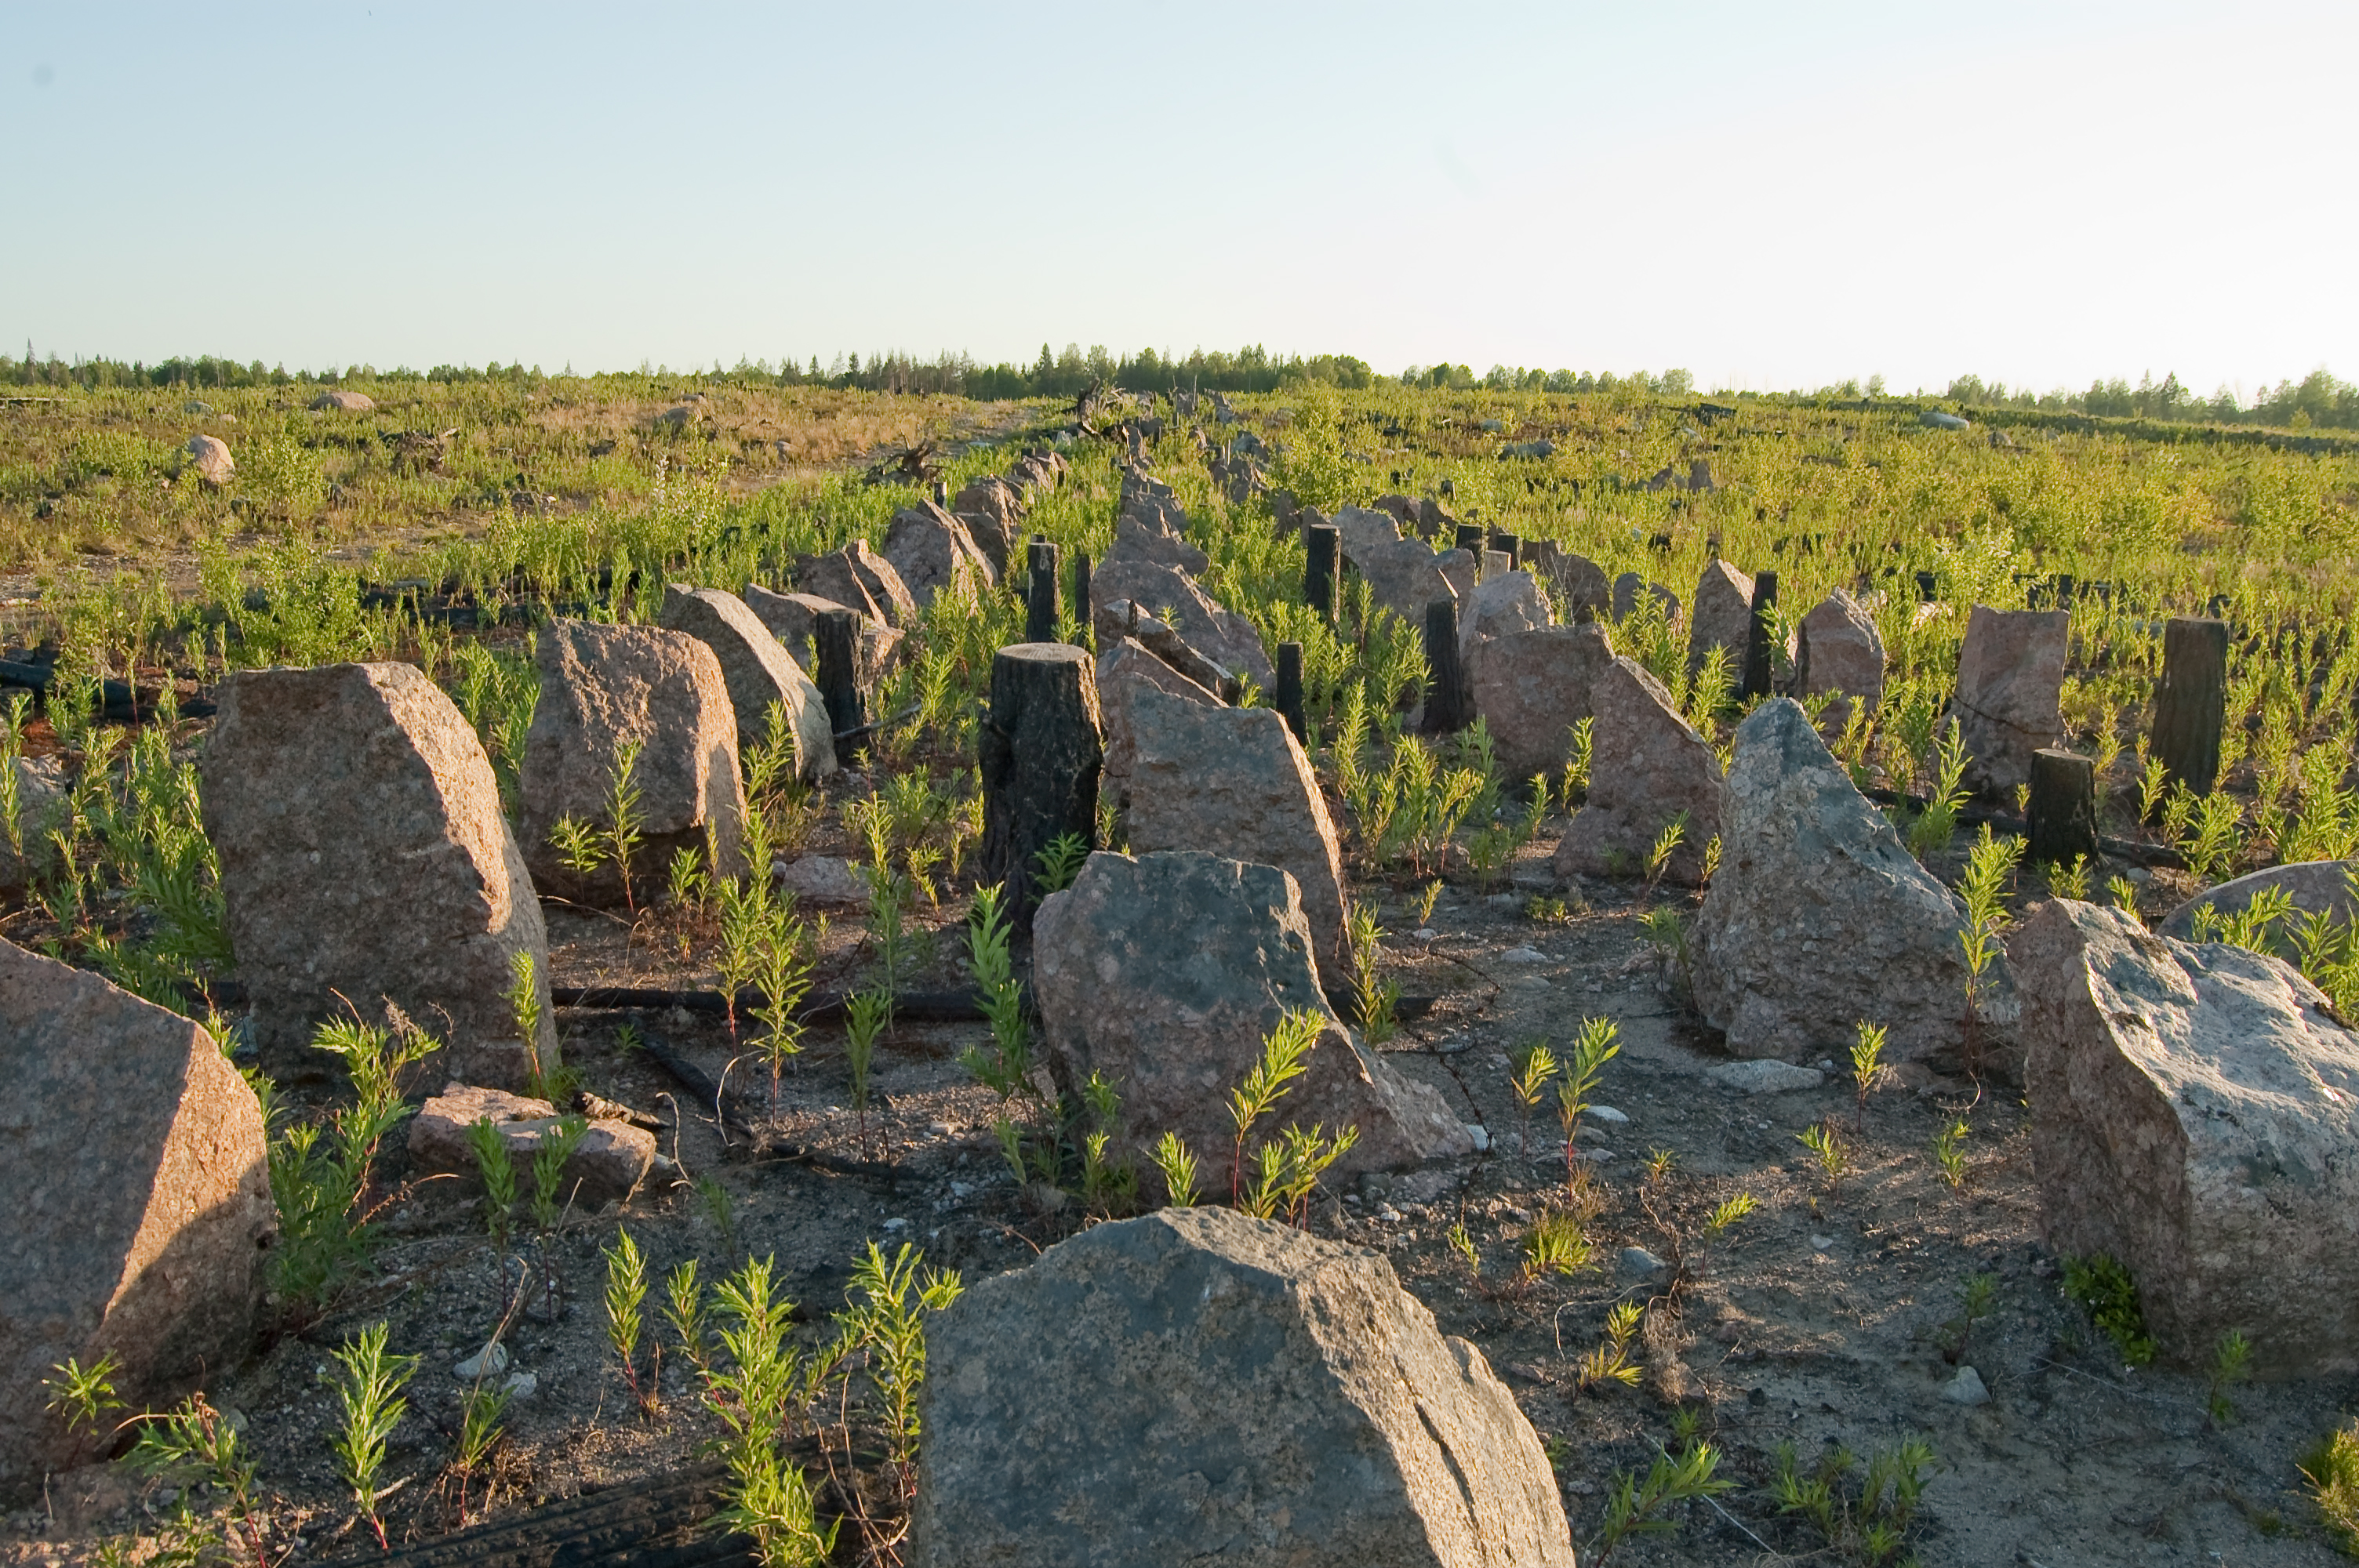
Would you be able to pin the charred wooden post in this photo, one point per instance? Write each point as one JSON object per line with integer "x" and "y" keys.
{"x": 1445, "y": 685}
{"x": 1511, "y": 546}
{"x": 2062, "y": 819}
{"x": 1758, "y": 664}
{"x": 1041, "y": 593}
{"x": 835, "y": 640}
{"x": 1287, "y": 698}
{"x": 2190, "y": 700}
{"x": 1082, "y": 616}
{"x": 1322, "y": 573}
{"x": 1042, "y": 746}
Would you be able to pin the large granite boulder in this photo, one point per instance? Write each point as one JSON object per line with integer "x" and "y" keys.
{"x": 139, "y": 1203}
{"x": 992, "y": 511}
{"x": 793, "y": 620}
{"x": 1648, "y": 766}
{"x": 605, "y": 688}
{"x": 1722, "y": 616}
{"x": 934, "y": 553}
{"x": 2195, "y": 1116}
{"x": 1819, "y": 917}
{"x": 1364, "y": 529}
{"x": 2010, "y": 683}
{"x": 1630, "y": 588}
{"x": 606, "y": 1166}
{"x": 1233, "y": 781}
{"x": 1135, "y": 540}
{"x": 210, "y": 455}
{"x": 859, "y": 578}
{"x": 1151, "y": 503}
{"x": 343, "y": 403}
{"x": 1532, "y": 688}
{"x": 1508, "y": 602}
{"x": 1125, "y": 668}
{"x": 1579, "y": 583}
{"x": 1406, "y": 575}
{"x": 1198, "y": 1386}
{"x": 365, "y": 859}
{"x": 758, "y": 672}
{"x": 1221, "y": 635}
{"x": 2314, "y": 887}
{"x": 1166, "y": 972}
{"x": 1839, "y": 651}
{"x": 1113, "y": 622}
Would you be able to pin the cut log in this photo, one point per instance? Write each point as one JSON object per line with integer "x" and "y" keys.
{"x": 1446, "y": 696}
{"x": 1287, "y": 698}
{"x": 1322, "y": 571}
{"x": 2061, "y": 820}
{"x": 1511, "y": 546}
{"x": 835, "y": 640}
{"x": 1040, "y": 592}
{"x": 2190, "y": 701}
{"x": 1042, "y": 746}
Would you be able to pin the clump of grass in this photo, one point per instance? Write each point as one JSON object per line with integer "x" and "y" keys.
{"x": 2103, "y": 1287}
{"x": 1609, "y": 1360}
{"x": 1949, "y": 1154}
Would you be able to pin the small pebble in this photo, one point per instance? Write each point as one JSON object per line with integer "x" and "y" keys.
{"x": 1523, "y": 955}
{"x": 896, "y": 1224}
{"x": 1966, "y": 1389}
{"x": 489, "y": 1362}
{"x": 1388, "y": 1213}
{"x": 1424, "y": 934}
{"x": 1638, "y": 1263}
{"x": 523, "y": 1386}
{"x": 1606, "y": 1113}
{"x": 1821, "y": 1243}
{"x": 1480, "y": 1136}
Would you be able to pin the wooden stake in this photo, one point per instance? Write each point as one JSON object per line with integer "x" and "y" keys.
{"x": 2190, "y": 700}
{"x": 1445, "y": 687}
{"x": 1042, "y": 746}
{"x": 1287, "y": 698}
{"x": 2061, "y": 820}
{"x": 835, "y": 639}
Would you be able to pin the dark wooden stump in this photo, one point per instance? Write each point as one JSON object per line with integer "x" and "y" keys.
{"x": 1758, "y": 666}
{"x": 1041, "y": 593}
{"x": 1082, "y": 600}
{"x": 2061, "y": 820}
{"x": 1509, "y": 546}
{"x": 835, "y": 639}
{"x": 2190, "y": 700}
{"x": 1287, "y": 698}
{"x": 1445, "y": 684}
{"x": 1042, "y": 746}
{"x": 1470, "y": 538}
{"x": 1322, "y": 572}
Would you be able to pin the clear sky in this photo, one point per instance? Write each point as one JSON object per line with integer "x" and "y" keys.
{"x": 1768, "y": 195}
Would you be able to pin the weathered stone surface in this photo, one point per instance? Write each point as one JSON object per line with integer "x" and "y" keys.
{"x": 1531, "y": 688}
{"x": 39, "y": 804}
{"x": 1818, "y": 917}
{"x": 2321, "y": 887}
{"x": 138, "y": 1202}
{"x": 933, "y": 553}
{"x": 1401, "y": 508}
{"x": 1579, "y": 583}
{"x": 822, "y": 879}
{"x": 1509, "y": 602}
{"x": 210, "y": 455}
{"x": 1233, "y": 781}
{"x": 1221, "y": 635}
{"x": 1840, "y": 650}
{"x": 1648, "y": 766}
{"x": 758, "y": 672}
{"x": 363, "y": 858}
{"x": 1364, "y": 529}
{"x": 1406, "y": 575}
{"x": 1134, "y": 540}
{"x": 1199, "y": 1386}
{"x": 602, "y": 687}
{"x": 611, "y": 1160}
{"x": 859, "y": 578}
{"x": 2010, "y": 678}
{"x": 1166, "y": 971}
{"x": 345, "y": 401}
{"x": 992, "y": 510}
{"x": 792, "y": 618}
{"x": 1151, "y": 503}
{"x": 2195, "y": 1114}
{"x": 1723, "y": 616}
{"x": 1630, "y": 585}
{"x": 1124, "y": 668}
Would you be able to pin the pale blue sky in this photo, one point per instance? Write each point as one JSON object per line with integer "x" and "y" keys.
{"x": 1771, "y": 195}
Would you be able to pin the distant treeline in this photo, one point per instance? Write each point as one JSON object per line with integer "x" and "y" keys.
{"x": 2317, "y": 401}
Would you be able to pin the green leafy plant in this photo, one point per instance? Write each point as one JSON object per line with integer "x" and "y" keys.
{"x": 369, "y": 1394}
{"x": 1060, "y": 862}
{"x": 1938, "y": 822}
{"x": 549, "y": 1155}
{"x": 498, "y": 1167}
{"x": 627, "y": 1293}
{"x": 1281, "y": 1061}
{"x": 1826, "y": 1145}
{"x": 1598, "y": 1043}
{"x": 1975, "y": 1299}
{"x": 483, "y": 1407}
{"x": 625, "y": 817}
{"x": 1871, "y": 1525}
{"x": 2231, "y": 1363}
{"x": 78, "y": 1395}
{"x": 1373, "y": 997}
{"x": 194, "y": 1442}
{"x": 1530, "y": 1067}
{"x": 1556, "y": 1244}
{"x": 1982, "y": 889}
{"x": 1609, "y": 1360}
{"x": 1180, "y": 1180}
{"x": 2103, "y": 1288}
{"x": 684, "y": 1311}
{"x": 1635, "y": 1504}
{"x": 865, "y": 1016}
{"x": 1949, "y": 1154}
{"x": 758, "y": 1392}
{"x": 1867, "y": 1067}
{"x": 2330, "y": 1468}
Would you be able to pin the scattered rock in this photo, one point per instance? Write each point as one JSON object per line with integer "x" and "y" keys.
{"x": 139, "y": 1201}
{"x": 1578, "y": 582}
{"x": 1818, "y": 917}
{"x": 2010, "y": 677}
{"x": 933, "y": 553}
{"x": 1630, "y": 585}
{"x": 364, "y": 859}
{"x": 1523, "y": 955}
{"x": 821, "y": 879}
{"x": 1966, "y": 1389}
{"x": 40, "y": 802}
{"x": 792, "y": 618}
{"x": 602, "y": 688}
{"x": 1509, "y": 602}
{"x": 608, "y": 1165}
{"x": 2316, "y": 887}
{"x": 345, "y": 401}
{"x": 1606, "y": 1113}
{"x": 992, "y": 511}
{"x": 1114, "y": 621}
{"x": 757, "y": 671}
{"x": 1123, "y": 669}
{"x": 1638, "y": 1263}
{"x": 1198, "y": 1386}
{"x": 1235, "y": 782}
{"x": 1722, "y": 618}
{"x": 1935, "y": 420}
{"x": 1221, "y": 635}
{"x": 859, "y": 578}
{"x": 1406, "y": 575}
{"x": 209, "y": 455}
{"x": 1132, "y": 540}
{"x": 1764, "y": 1075}
{"x": 1363, "y": 529}
{"x": 2195, "y": 1115}
{"x": 1648, "y": 766}
{"x": 1532, "y": 688}
{"x": 1150, "y": 504}
{"x": 489, "y": 1362}
{"x": 1166, "y": 971}
{"x": 1840, "y": 650}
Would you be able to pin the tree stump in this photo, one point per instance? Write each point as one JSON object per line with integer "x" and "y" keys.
{"x": 1322, "y": 572}
{"x": 1511, "y": 546}
{"x": 2190, "y": 700}
{"x": 1758, "y": 666}
{"x": 1082, "y": 598}
{"x": 1445, "y": 687}
{"x": 1042, "y": 746}
{"x": 2061, "y": 820}
{"x": 1041, "y": 593}
{"x": 1287, "y": 698}
{"x": 835, "y": 640}
{"x": 1469, "y": 538}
